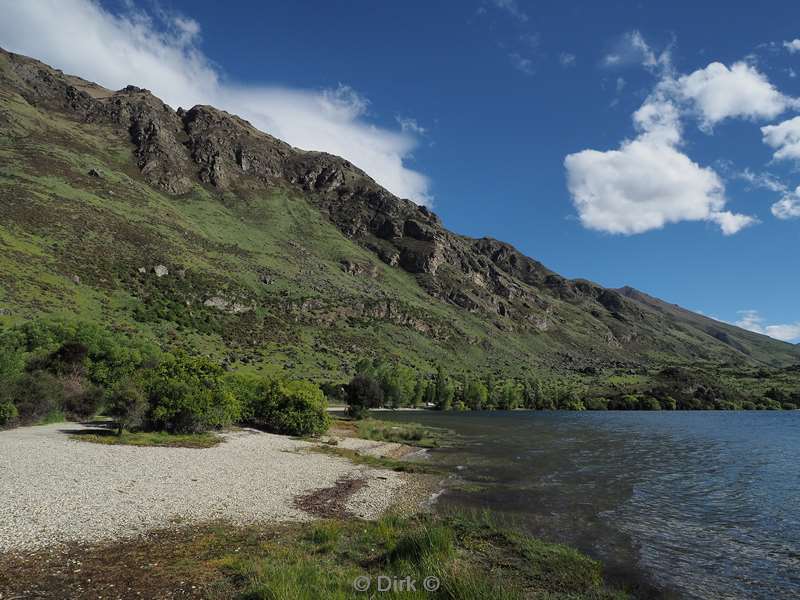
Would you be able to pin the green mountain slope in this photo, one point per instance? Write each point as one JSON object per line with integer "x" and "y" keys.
{"x": 196, "y": 228}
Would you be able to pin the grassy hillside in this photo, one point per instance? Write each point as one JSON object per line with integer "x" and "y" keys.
{"x": 268, "y": 275}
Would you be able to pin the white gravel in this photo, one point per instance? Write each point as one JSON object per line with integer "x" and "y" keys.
{"x": 55, "y": 490}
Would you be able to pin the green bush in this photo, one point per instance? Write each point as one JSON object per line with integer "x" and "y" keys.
{"x": 596, "y": 403}
{"x": 300, "y": 409}
{"x": 128, "y": 405}
{"x": 649, "y": 403}
{"x": 668, "y": 403}
{"x": 37, "y": 396}
{"x": 8, "y": 413}
{"x": 188, "y": 395}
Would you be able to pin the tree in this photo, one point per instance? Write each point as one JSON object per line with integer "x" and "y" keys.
{"x": 419, "y": 392}
{"x": 363, "y": 393}
{"x": 531, "y": 391}
{"x": 509, "y": 395}
{"x": 475, "y": 394}
{"x": 444, "y": 391}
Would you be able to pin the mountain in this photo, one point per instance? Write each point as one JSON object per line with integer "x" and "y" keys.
{"x": 196, "y": 228}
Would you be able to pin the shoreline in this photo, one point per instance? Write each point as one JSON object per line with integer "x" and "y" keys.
{"x": 340, "y": 493}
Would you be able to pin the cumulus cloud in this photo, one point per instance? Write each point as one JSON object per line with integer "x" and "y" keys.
{"x": 788, "y": 207}
{"x": 718, "y": 92}
{"x": 753, "y": 321}
{"x": 784, "y": 138}
{"x": 160, "y": 53}
{"x": 648, "y": 182}
{"x": 792, "y": 46}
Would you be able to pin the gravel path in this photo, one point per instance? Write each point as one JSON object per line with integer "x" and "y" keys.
{"x": 54, "y": 489}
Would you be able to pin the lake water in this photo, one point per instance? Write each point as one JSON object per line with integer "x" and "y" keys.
{"x": 700, "y": 504}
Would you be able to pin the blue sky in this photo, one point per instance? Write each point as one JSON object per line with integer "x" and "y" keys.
{"x": 630, "y": 143}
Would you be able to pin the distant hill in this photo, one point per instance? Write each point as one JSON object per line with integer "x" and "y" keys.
{"x": 194, "y": 227}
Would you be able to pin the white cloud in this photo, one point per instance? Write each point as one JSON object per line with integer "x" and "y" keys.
{"x": 631, "y": 49}
{"x": 793, "y": 46}
{"x": 567, "y": 59}
{"x": 788, "y": 207}
{"x": 521, "y": 63}
{"x": 717, "y": 93}
{"x": 410, "y": 125}
{"x": 648, "y": 182}
{"x": 766, "y": 181}
{"x": 753, "y": 321}
{"x": 512, "y": 8}
{"x": 784, "y": 138}
{"x": 80, "y": 37}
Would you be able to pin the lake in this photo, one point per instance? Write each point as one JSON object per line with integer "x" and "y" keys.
{"x": 700, "y": 504}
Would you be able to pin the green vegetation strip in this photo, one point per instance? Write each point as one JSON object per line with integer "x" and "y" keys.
{"x": 149, "y": 438}
{"x": 412, "y": 434}
{"x": 471, "y": 556}
{"x": 376, "y": 461}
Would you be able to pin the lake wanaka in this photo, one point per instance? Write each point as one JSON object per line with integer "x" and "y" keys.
{"x": 698, "y": 504}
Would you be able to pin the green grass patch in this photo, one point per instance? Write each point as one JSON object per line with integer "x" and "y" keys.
{"x": 160, "y": 439}
{"x": 471, "y": 557}
{"x": 376, "y": 461}
{"x": 412, "y": 434}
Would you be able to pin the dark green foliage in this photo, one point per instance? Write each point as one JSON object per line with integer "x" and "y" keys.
{"x": 8, "y": 413}
{"x": 81, "y": 399}
{"x": 37, "y": 396}
{"x": 596, "y": 404}
{"x": 128, "y": 405}
{"x": 363, "y": 393}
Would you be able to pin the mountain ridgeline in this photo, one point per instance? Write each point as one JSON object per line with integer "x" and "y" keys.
{"x": 194, "y": 227}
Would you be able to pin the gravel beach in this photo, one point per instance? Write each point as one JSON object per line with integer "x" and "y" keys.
{"x": 56, "y": 490}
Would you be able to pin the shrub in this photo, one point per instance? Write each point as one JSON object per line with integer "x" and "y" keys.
{"x": 128, "y": 405}
{"x": 649, "y": 403}
{"x": 12, "y": 361}
{"x": 188, "y": 395}
{"x": 81, "y": 399}
{"x": 668, "y": 403}
{"x": 363, "y": 393}
{"x": 37, "y": 396}
{"x": 8, "y": 413}
{"x": 300, "y": 409}
{"x": 596, "y": 404}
